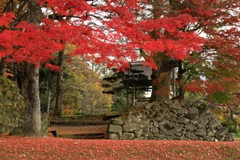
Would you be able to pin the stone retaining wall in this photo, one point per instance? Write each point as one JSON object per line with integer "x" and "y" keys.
{"x": 175, "y": 121}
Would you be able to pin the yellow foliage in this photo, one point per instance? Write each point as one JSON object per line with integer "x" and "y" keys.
{"x": 83, "y": 90}
{"x": 69, "y": 48}
{"x": 67, "y": 110}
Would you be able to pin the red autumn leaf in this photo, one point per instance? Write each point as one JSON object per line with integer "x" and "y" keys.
{"x": 58, "y": 148}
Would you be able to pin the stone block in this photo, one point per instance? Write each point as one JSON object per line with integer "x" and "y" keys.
{"x": 214, "y": 124}
{"x": 166, "y": 131}
{"x": 177, "y": 129}
{"x": 155, "y": 123}
{"x": 200, "y": 132}
{"x": 182, "y": 111}
{"x": 136, "y": 120}
{"x": 117, "y": 121}
{"x": 147, "y": 134}
{"x": 191, "y": 136}
{"x": 115, "y": 129}
{"x": 211, "y": 134}
{"x": 114, "y": 136}
{"x": 203, "y": 120}
{"x": 190, "y": 127}
{"x": 130, "y": 127}
{"x": 182, "y": 120}
{"x": 138, "y": 133}
{"x": 193, "y": 111}
{"x": 221, "y": 132}
{"x": 128, "y": 136}
{"x": 154, "y": 130}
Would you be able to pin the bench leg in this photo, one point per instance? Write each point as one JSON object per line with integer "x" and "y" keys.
{"x": 54, "y": 133}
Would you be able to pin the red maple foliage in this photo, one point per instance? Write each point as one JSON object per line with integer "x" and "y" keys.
{"x": 219, "y": 60}
{"x": 73, "y": 22}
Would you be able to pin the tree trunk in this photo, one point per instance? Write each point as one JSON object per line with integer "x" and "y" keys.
{"x": 30, "y": 87}
{"x": 48, "y": 100}
{"x": 181, "y": 91}
{"x": 59, "y": 92}
{"x": 2, "y": 66}
{"x": 161, "y": 79}
{"x": 127, "y": 93}
{"x": 236, "y": 127}
{"x": 30, "y": 90}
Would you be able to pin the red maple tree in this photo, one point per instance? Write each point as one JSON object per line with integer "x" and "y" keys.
{"x": 219, "y": 60}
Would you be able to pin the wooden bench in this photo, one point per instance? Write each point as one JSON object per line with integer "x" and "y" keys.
{"x": 4, "y": 134}
{"x": 79, "y": 132}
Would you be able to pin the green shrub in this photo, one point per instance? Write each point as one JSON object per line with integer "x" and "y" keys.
{"x": 11, "y": 105}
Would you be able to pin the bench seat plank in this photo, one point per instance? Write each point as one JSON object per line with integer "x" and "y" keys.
{"x": 78, "y": 130}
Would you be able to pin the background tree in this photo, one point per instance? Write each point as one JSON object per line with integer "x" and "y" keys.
{"x": 59, "y": 84}
{"x": 82, "y": 89}
{"x": 218, "y": 62}
{"x": 47, "y": 82}
{"x": 216, "y": 21}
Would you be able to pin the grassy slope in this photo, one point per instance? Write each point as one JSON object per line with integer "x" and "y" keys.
{"x": 58, "y": 148}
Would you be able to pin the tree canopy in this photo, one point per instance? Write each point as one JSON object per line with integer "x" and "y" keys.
{"x": 105, "y": 31}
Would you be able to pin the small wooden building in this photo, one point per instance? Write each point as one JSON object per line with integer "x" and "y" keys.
{"x": 137, "y": 79}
